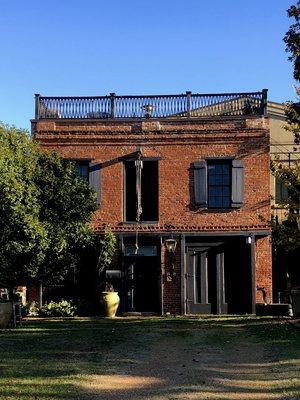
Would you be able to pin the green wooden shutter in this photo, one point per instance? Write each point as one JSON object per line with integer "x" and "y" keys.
{"x": 95, "y": 180}
{"x": 200, "y": 183}
{"x": 237, "y": 189}
{"x": 281, "y": 191}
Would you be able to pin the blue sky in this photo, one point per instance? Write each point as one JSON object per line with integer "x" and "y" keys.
{"x": 93, "y": 47}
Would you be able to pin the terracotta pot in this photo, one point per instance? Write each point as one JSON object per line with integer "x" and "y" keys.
{"x": 110, "y": 302}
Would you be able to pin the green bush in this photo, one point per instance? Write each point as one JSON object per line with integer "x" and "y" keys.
{"x": 64, "y": 308}
{"x": 32, "y": 309}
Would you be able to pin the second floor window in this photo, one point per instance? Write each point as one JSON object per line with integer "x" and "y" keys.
{"x": 91, "y": 173}
{"x": 148, "y": 191}
{"x": 219, "y": 184}
{"x": 281, "y": 191}
{"x": 82, "y": 170}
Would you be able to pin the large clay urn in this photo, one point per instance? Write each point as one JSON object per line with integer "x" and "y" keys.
{"x": 110, "y": 302}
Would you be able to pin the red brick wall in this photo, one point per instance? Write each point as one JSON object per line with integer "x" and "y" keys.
{"x": 34, "y": 292}
{"x": 263, "y": 268}
{"x": 171, "y": 288}
{"x": 178, "y": 145}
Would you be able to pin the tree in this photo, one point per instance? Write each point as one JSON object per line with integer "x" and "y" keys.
{"x": 45, "y": 210}
{"x": 108, "y": 250}
{"x": 290, "y": 175}
{"x": 292, "y": 41}
{"x": 108, "y": 247}
{"x": 286, "y": 235}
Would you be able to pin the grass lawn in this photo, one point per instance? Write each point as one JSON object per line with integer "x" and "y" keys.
{"x": 151, "y": 358}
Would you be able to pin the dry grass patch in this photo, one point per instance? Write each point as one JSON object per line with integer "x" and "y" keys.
{"x": 151, "y": 358}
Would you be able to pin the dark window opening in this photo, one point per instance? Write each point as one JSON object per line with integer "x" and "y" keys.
{"x": 82, "y": 169}
{"x": 219, "y": 184}
{"x": 149, "y": 191}
{"x": 281, "y": 191}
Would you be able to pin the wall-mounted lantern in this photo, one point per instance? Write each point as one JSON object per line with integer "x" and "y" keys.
{"x": 171, "y": 245}
{"x": 249, "y": 238}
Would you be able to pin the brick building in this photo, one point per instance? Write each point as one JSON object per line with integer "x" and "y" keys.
{"x": 185, "y": 171}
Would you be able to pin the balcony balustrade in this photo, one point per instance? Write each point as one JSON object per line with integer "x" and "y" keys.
{"x": 188, "y": 105}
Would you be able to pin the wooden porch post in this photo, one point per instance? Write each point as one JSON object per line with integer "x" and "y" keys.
{"x": 183, "y": 275}
{"x": 220, "y": 295}
{"x": 253, "y": 275}
{"x": 204, "y": 278}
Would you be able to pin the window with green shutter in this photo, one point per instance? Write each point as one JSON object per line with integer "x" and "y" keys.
{"x": 219, "y": 183}
{"x": 281, "y": 191}
{"x": 82, "y": 169}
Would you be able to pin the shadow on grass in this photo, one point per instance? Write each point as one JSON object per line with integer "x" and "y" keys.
{"x": 173, "y": 358}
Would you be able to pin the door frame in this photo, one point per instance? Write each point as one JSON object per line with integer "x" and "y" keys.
{"x": 144, "y": 240}
{"x": 193, "y": 250}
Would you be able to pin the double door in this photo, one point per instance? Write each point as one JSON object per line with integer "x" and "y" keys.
{"x": 205, "y": 280}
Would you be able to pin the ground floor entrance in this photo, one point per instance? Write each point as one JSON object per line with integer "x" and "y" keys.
{"x": 205, "y": 275}
{"x": 218, "y": 277}
{"x": 142, "y": 277}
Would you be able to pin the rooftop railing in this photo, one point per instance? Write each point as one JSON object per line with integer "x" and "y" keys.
{"x": 188, "y": 105}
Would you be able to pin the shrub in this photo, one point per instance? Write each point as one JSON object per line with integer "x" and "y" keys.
{"x": 32, "y": 309}
{"x": 64, "y": 308}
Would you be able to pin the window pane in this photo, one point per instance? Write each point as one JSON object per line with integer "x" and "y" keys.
{"x": 219, "y": 168}
{"x": 226, "y": 179}
{"x": 219, "y": 184}
{"x": 218, "y": 201}
{"x": 211, "y": 179}
{"x": 226, "y": 202}
{"x": 211, "y": 201}
{"x": 146, "y": 251}
{"x": 83, "y": 171}
{"x": 225, "y": 168}
{"x": 219, "y": 190}
{"x": 225, "y": 191}
{"x": 219, "y": 179}
{"x": 212, "y": 191}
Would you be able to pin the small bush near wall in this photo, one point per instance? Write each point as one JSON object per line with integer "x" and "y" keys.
{"x": 63, "y": 308}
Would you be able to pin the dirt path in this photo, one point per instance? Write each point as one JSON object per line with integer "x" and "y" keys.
{"x": 198, "y": 366}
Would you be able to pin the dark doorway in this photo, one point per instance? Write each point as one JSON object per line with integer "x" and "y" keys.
{"x": 238, "y": 276}
{"x": 206, "y": 283}
{"x": 149, "y": 191}
{"x": 219, "y": 277}
{"x": 142, "y": 279}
